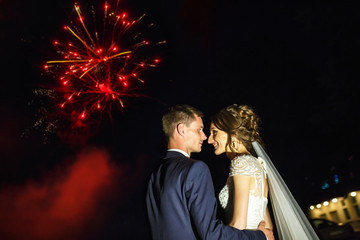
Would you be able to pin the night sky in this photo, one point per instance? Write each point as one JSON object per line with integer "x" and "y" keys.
{"x": 295, "y": 63}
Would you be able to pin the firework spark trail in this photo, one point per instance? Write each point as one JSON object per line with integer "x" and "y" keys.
{"x": 98, "y": 70}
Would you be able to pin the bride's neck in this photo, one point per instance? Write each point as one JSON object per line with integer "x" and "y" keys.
{"x": 232, "y": 155}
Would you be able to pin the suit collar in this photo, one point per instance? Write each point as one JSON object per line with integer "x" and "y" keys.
{"x": 180, "y": 151}
{"x": 171, "y": 154}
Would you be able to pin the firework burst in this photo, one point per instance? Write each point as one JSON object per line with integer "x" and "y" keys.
{"x": 101, "y": 65}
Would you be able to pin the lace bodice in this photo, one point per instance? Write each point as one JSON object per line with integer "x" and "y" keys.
{"x": 252, "y": 167}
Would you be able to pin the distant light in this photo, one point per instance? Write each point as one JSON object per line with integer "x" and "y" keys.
{"x": 334, "y": 200}
{"x": 326, "y": 203}
{"x": 353, "y": 194}
{"x": 325, "y": 186}
{"x": 312, "y": 207}
{"x": 318, "y": 206}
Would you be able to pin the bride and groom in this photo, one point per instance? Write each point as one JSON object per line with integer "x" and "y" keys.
{"x": 180, "y": 200}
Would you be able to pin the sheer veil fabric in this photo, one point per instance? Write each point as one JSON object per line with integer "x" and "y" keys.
{"x": 291, "y": 222}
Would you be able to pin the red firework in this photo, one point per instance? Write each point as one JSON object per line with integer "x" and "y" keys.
{"x": 101, "y": 65}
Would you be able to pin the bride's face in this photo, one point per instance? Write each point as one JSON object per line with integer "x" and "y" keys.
{"x": 218, "y": 139}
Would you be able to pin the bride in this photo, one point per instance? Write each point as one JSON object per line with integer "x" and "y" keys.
{"x": 234, "y": 130}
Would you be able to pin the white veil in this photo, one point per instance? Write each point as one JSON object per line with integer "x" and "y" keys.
{"x": 291, "y": 222}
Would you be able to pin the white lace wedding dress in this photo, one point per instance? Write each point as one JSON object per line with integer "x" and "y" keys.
{"x": 290, "y": 221}
{"x": 249, "y": 166}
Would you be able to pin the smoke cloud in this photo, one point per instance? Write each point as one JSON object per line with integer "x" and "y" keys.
{"x": 64, "y": 204}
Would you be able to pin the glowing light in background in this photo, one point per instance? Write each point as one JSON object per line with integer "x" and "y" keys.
{"x": 325, "y": 185}
{"x": 75, "y": 200}
{"x": 334, "y": 200}
{"x": 61, "y": 204}
{"x": 102, "y": 62}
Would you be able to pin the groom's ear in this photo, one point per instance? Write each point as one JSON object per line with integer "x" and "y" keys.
{"x": 180, "y": 129}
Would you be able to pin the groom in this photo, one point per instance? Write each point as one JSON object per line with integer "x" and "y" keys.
{"x": 180, "y": 200}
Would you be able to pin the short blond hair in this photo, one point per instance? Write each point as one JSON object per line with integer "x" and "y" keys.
{"x": 179, "y": 114}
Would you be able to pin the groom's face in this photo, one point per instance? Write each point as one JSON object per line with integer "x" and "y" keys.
{"x": 194, "y": 135}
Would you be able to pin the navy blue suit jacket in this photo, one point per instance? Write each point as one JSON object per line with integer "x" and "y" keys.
{"x": 181, "y": 203}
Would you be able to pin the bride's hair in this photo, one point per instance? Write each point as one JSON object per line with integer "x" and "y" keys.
{"x": 241, "y": 122}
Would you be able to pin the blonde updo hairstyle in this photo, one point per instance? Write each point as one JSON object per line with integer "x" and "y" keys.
{"x": 241, "y": 122}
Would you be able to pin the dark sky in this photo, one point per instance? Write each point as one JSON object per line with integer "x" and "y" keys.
{"x": 295, "y": 63}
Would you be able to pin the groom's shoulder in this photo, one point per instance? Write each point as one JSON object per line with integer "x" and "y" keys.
{"x": 182, "y": 162}
{"x": 198, "y": 165}
{"x": 193, "y": 165}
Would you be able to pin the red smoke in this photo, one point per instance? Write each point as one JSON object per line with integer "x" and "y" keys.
{"x": 61, "y": 206}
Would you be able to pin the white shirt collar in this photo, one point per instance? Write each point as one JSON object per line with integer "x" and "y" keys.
{"x": 180, "y": 151}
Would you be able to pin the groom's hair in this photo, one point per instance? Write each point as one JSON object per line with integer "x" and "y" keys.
{"x": 179, "y": 114}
